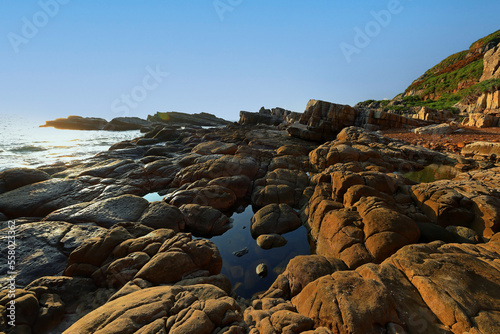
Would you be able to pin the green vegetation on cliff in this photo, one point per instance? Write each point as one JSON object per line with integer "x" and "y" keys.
{"x": 457, "y": 73}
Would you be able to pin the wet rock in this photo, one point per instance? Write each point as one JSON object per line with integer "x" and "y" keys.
{"x": 273, "y": 240}
{"x": 274, "y": 218}
{"x": 204, "y": 220}
{"x": 13, "y": 178}
{"x": 241, "y": 252}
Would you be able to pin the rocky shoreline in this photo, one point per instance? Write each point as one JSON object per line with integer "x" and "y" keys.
{"x": 390, "y": 255}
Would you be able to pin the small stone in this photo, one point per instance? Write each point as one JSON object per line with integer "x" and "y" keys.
{"x": 261, "y": 270}
{"x": 241, "y": 252}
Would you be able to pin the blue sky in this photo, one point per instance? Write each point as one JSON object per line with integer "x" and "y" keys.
{"x": 133, "y": 58}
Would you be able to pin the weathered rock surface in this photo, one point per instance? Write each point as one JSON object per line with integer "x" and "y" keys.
{"x": 165, "y": 309}
{"x": 371, "y": 234}
{"x": 11, "y": 179}
{"x": 435, "y": 129}
{"x": 254, "y": 118}
{"x": 491, "y": 64}
{"x": 301, "y": 271}
{"x": 471, "y": 200}
{"x": 106, "y": 213}
{"x": 226, "y": 165}
{"x": 275, "y": 218}
{"x": 204, "y": 220}
{"x": 215, "y": 147}
{"x": 273, "y": 240}
{"x": 42, "y": 248}
{"x": 159, "y": 257}
{"x": 218, "y": 197}
{"x": 431, "y": 288}
{"x": 323, "y": 120}
{"x": 481, "y": 150}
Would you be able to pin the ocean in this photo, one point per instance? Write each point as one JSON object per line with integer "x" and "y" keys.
{"x": 24, "y": 144}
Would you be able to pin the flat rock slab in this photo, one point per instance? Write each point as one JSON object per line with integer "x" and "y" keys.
{"x": 42, "y": 249}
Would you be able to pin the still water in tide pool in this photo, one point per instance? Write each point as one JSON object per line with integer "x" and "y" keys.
{"x": 241, "y": 270}
{"x": 433, "y": 172}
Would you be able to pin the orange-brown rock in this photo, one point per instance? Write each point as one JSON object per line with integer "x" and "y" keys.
{"x": 427, "y": 288}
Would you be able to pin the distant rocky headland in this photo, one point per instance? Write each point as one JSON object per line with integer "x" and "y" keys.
{"x": 135, "y": 123}
{"x": 399, "y": 201}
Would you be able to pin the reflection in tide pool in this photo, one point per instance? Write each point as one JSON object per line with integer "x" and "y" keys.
{"x": 153, "y": 197}
{"x": 433, "y": 172}
{"x": 241, "y": 270}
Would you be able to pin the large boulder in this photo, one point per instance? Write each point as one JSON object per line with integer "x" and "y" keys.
{"x": 370, "y": 234}
{"x": 275, "y": 218}
{"x": 435, "y": 129}
{"x": 204, "y": 220}
{"x": 491, "y": 64}
{"x": 470, "y": 200}
{"x": 325, "y": 119}
{"x": 430, "y": 288}
{"x": 255, "y": 118}
{"x": 223, "y": 166}
{"x": 158, "y": 257}
{"x": 39, "y": 199}
{"x": 106, "y": 213}
{"x": 13, "y": 178}
{"x": 218, "y": 197}
{"x": 165, "y": 309}
{"x": 300, "y": 271}
{"x": 42, "y": 248}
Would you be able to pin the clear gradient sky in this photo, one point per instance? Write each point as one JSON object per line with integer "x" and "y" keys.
{"x": 110, "y": 58}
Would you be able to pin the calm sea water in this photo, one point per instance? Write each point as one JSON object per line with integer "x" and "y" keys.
{"x": 24, "y": 144}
